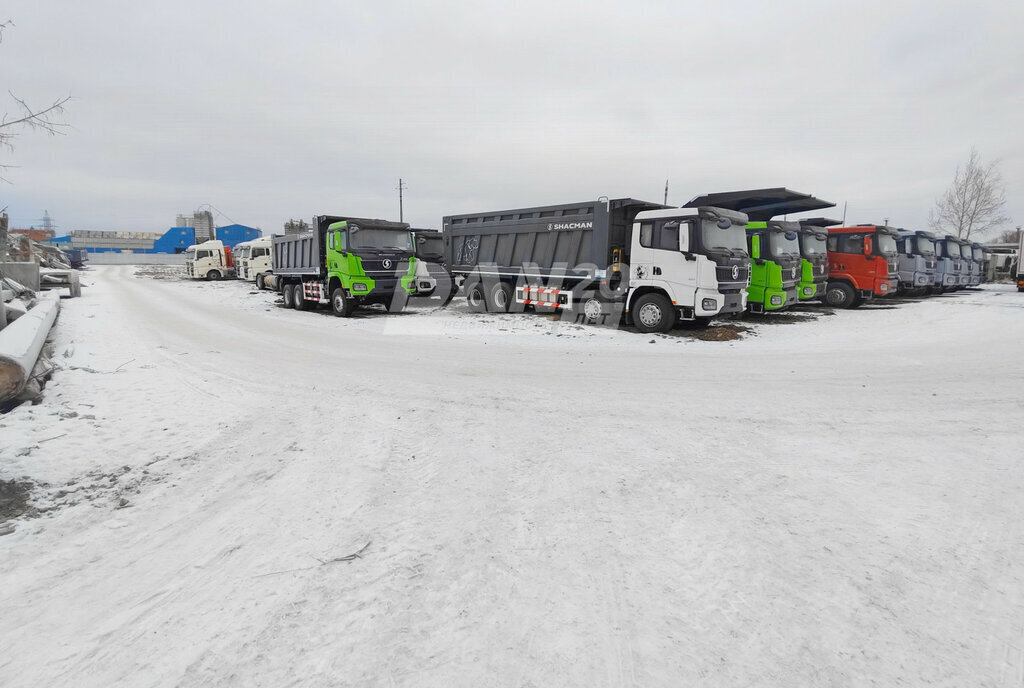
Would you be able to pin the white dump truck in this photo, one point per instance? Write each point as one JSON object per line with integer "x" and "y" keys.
{"x": 210, "y": 260}
{"x": 259, "y": 262}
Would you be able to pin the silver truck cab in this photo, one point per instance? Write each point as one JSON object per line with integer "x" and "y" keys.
{"x": 916, "y": 262}
{"x": 947, "y": 262}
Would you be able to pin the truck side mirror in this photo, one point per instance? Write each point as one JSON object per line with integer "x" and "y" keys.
{"x": 867, "y": 246}
{"x": 755, "y": 246}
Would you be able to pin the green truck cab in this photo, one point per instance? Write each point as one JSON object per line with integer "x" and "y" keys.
{"x": 774, "y": 265}
{"x": 813, "y": 240}
{"x": 346, "y": 262}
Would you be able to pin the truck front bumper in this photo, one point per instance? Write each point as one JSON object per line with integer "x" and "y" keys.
{"x": 886, "y": 287}
{"x": 708, "y": 303}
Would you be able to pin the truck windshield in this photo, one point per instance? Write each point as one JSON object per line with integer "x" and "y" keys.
{"x": 979, "y": 254}
{"x": 812, "y": 245}
{"x": 190, "y": 254}
{"x": 952, "y": 249}
{"x": 886, "y": 243}
{"x": 925, "y": 246}
{"x": 723, "y": 235}
{"x": 783, "y": 244}
{"x": 380, "y": 239}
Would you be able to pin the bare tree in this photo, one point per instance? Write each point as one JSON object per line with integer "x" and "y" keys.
{"x": 1010, "y": 236}
{"x": 974, "y": 202}
{"x": 46, "y": 119}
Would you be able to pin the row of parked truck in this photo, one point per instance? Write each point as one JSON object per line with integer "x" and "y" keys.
{"x": 604, "y": 261}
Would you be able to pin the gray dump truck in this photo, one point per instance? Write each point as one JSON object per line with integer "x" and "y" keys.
{"x": 603, "y": 261}
{"x": 978, "y": 264}
{"x": 916, "y": 262}
{"x": 947, "y": 264}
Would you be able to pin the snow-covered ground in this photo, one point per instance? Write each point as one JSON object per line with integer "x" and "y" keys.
{"x": 836, "y": 500}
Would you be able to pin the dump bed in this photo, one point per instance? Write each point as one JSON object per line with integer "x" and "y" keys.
{"x": 299, "y": 254}
{"x": 546, "y": 238}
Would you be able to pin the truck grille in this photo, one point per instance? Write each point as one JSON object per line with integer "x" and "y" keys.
{"x": 724, "y": 274}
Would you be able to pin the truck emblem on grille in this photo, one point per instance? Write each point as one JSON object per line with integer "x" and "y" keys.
{"x": 386, "y": 263}
{"x": 735, "y": 271}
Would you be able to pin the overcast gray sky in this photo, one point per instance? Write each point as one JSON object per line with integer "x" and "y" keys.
{"x": 269, "y": 109}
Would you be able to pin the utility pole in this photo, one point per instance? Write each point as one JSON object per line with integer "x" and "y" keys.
{"x": 401, "y": 187}
{"x": 844, "y": 213}
{"x": 666, "y": 191}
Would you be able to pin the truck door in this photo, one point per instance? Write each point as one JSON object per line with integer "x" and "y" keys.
{"x": 658, "y": 258}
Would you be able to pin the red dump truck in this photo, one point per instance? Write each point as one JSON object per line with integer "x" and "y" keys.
{"x": 862, "y": 264}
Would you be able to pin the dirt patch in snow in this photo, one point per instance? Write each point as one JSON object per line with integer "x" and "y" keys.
{"x": 14, "y": 499}
{"x": 726, "y": 332}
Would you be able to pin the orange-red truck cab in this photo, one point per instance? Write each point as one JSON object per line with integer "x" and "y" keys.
{"x": 862, "y": 264}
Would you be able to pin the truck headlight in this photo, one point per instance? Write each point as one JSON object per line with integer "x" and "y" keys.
{"x": 776, "y": 300}
{"x": 358, "y": 286}
{"x": 708, "y": 304}
{"x": 807, "y": 291}
{"x": 884, "y": 287}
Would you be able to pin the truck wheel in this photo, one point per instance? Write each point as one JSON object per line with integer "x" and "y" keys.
{"x": 500, "y": 298}
{"x": 213, "y": 275}
{"x": 289, "y": 296}
{"x": 592, "y": 309}
{"x": 840, "y": 295}
{"x": 298, "y": 298}
{"x": 653, "y": 313}
{"x": 476, "y": 298}
{"x": 260, "y": 284}
{"x": 341, "y": 304}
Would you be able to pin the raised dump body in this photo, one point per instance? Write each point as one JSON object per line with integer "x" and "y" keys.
{"x": 603, "y": 259}
{"x": 777, "y": 263}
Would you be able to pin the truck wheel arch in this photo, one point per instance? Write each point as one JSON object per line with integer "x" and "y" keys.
{"x": 641, "y": 291}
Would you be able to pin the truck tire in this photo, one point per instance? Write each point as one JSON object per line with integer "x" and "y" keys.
{"x": 289, "y": 296}
{"x": 476, "y": 298}
{"x": 299, "y": 299}
{"x": 341, "y": 304}
{"x": 592, "y": 310}
{"x": 260, "y": 283}
{"x": 653, "y": 313}
{"x": 500, "y": 298}
{"x": 840, "y": 295}
{"x": 213, "y": 275}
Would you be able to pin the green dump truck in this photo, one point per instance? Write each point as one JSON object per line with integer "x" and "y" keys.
{"x": 774, "y": 265}
{"x": 814, "y": 257}
{"x": 346, "y": 262}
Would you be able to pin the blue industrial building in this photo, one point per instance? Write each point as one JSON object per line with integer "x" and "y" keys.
{"x": 174, "y": 240}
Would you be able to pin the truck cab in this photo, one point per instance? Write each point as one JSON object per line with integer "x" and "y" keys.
{"x": 241, "y": 256}
{"x": 775, "y": 268}
{"x": 259, "y": 263}
{"x": 814, "y": 258}
{"x": 977, "y": 263}
{"x": 947, "y": 263}
{"x": 966, "y": 272}
{"x": 684, "y": 264}
{"x": 862, "y": 264}
{"x": 916, "y": 262}
{"x": 210, "y": 260}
